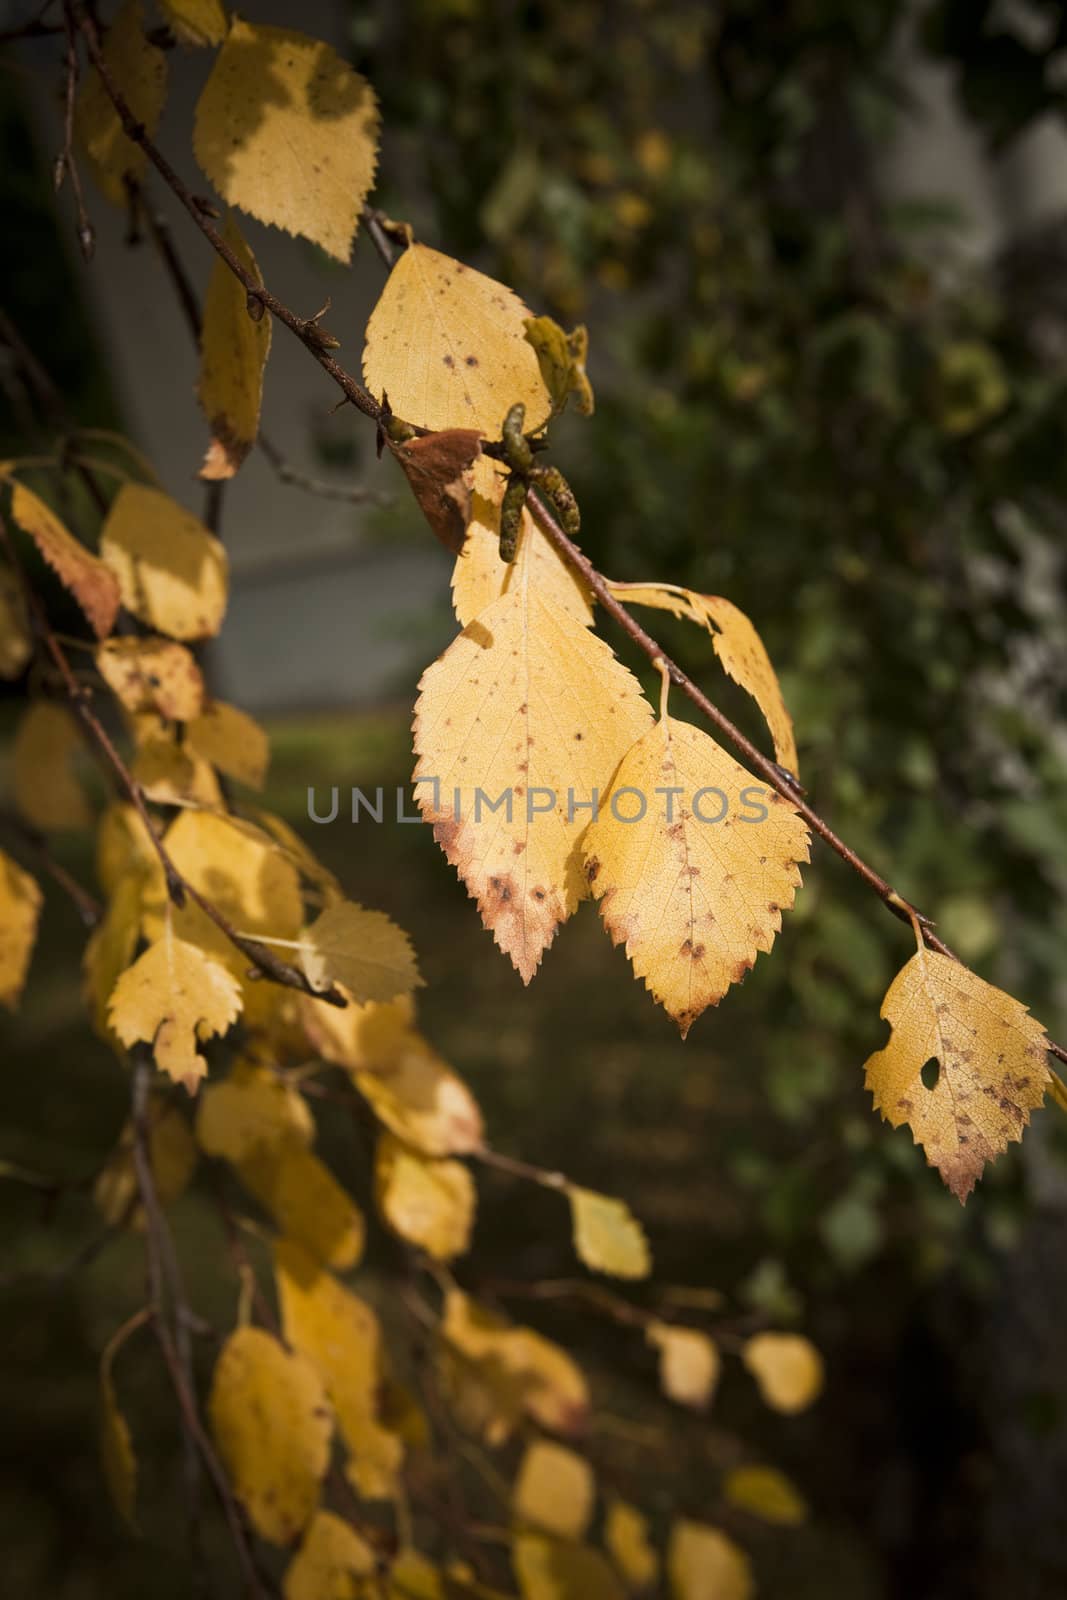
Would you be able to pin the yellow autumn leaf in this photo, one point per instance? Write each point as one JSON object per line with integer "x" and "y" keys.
{"x": 254, "y": 1108}
{"x": 47, "y": 792}
{"x": 232, "y": 741}
{"x": 703, "y": 1564}
{"x": 551, "y": 1569}
{"x": 173, "y": 996}
{"x": 693, "y": 863}
{"x": 413, "y": 1577}
{"x": 420, "y": 1099}
{"x": 520, "y": 1371}
{"x": 766, "y": 1493}
{"x": 20, "y": 910}
{"x": 339, "y": 1334}
{"x": 448, "y": 346}
{"x": 195, "y": 22}
{"x": 738, "y": 646}
{"x": 110, "y": 949}
{"x": 331, "y": 1564}
{"x": 607, "y": 1236}
{"x": 152, "y": 675}
{"x": 363, "y": 951}
{"x": 371, "y": 1035}
{"x": 305, "y": 1200}
{"x": 233, "y": 353}
{"x": 288, "y": 132}
{"x": 788, "y": 1369}
{"x": 479, "y": 576}
{"x": 562, "y": 358}
{"x": 272, "y": 1423}
{"x": 428, "y": 1202}
{"x": 85, "y": 575}
{"x": 172, "y": 572}
{"x": 16, "y": 643}
{"x": 554, "y": 1490}
{"x": 991, "y": 1066}
{"x": 171, "y": 773}
{"x": 171, "y": 1153}
{"x": 292, "y": 846}
{"x": 139, "y": 72}
{"x": 628, "y": 1542}
{"x": 117, "y": 1456}
{"x": 520, "y": 726}
{"x": 688, "y": 1363}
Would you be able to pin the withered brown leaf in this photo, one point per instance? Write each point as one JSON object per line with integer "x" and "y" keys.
{"x": 438, "y": 468}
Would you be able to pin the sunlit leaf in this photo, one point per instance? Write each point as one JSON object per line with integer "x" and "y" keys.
{"x": 607, "y": 1236}
{"x": 233, "y": 353}
{"x": 688, "y": 1363}
{"x": 554, "y": 1490}
{"x": 787, "y": 1367}
{"x": 172, "y": 572}
{"x": 703, "y": 1564}
{"x": 91, "y": 583}
{"x": 171, "y": 998}
{"x": 428, "y": 1202}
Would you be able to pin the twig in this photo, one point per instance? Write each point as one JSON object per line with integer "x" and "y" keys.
{"x": 351, "y": 494}
{"x": 88, "y": 907}
{"x": 65, "y": 162}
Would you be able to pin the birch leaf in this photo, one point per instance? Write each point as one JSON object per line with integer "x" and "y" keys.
{"x": 233, "y": 353}
{"x": 428, "y": 1202}
{"x": 527, "y": 710}
{"x": 139, "y": 71}
{"x": 548, "y": 1569}
{"x": 305, "y": 1200}
{"x": 195, "y": 22}
{"x": 250, "y": 1110}
{"x": 447, "y": 345}
{"x": 232, "y": 741}
{"x": 418, "y": 1097}
{"x": 47, "y": 792}
{"x": 271, "y": 1421}
{"x": 172, "y": 773}
{"x": 20, "y": 910}
{"x": 171, "y": 571}
{"x": 152, "y": 675}
{"x": 16, "y": 643}
{"x": 480, "y": 577}
{"x": 695, "y": 886}
{"x": 554, "y": 1490}
{"x": 738, "y": 646}
{"x": 703, "y": 1564}
{"x": 523, "y": 1372}
{"x": 364, "y": 951}
{"x": 788, "y": 1369}
{"x": 110, "y": 949}
{"x": 562, "y": 357}
{"x": 626, "y": 1535}
{"x": 607, "y": 1236}
{"x": 439, "y": 467}
{"x": 116, "y": 1442}
{"x": 287, "y": 131}
{"x": 173, "y": 996}
{"x": 991, "y": 1067}
{"x": 766, "y": 1493}
{"x": 85, "y": 575}
{"x": 331, "y": 1564}
{"x": 688, "y": 1363}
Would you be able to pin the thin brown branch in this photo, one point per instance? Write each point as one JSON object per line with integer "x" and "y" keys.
{"x": 87, "y": 906}
{"x": 65, "y": 163}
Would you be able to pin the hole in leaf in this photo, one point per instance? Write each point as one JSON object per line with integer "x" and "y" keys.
{"x": 930, "y": 1073}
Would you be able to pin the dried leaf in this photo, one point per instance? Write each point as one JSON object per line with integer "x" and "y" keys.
{"x": 363, "y": 951}
{"x": 271, "y": 1421}
{"x": 20, "y": 910}
{"x": 688, "y": 1363}
{"x": 428, "y": 1202}
{"x": 522, "y": 721}
{"x": 562, "y": 357}
{"x": 737, "y": 644}
{"x": 172, "y": 572}
{"x": 992, "y": 1070}
{"x": 448, "y": 347}
{"x": 438, "y": 467}
{"x": 232, "y": 741}
{"x": 694, "y": 887}
{"x": 289, "y": 133}
{"x": 46, "y": 790}
{"x": 703, "y": 1564}
{"x": 607, "y": 1236}
{"x": 767, "y": 1493}
{"x": 331, "y": 1564}
{"x": 787, "y": 1368}
{"x": 626, "y": 1536}
{"x": 139, "y": 72}
{"x": 233, "y": 353}
{"x": 173, "y": 996}
{"x": 152, "y": 675}
{"x": 195, "y": 22}
{"x": 554, "y": 1491}
{"x": 547, "y": 1569}
{"x": 91, "y": 583}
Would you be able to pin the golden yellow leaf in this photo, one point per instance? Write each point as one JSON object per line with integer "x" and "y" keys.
{"x": 767, "y": 1493}
{"x": 331, "y": 1564}
{"x": 233, "y": 353}
{"x": 626, "y": 1536}
{"x": 562, "y": 357}
{"x": 607, "y": 1236}
{"x": 47, "y": 791}
{"x": 550, "y": 1569}
{"x": 738, "y": 646}
{"x": 359, "y": 1036}
{"x": 788, "y": 1369}
{"x": 520, "y": 1370}
{"x": 91, "y": 583}
{"x": 152, "y": 675}
{"x": 110, "y": 948}
{"x": 172, "y": 773}
{"x": 232, "y": 741}
{"x": 172, "y": 572}
{"x": 173, "y": 996}
{"x": 116, "y": 1450}
{"x": 195, "y": 22}
{"x": 693, "y": 863}
{"x": 363, "y": 951}
{"x": 480, "y": 577}
{"x": 272, "y": 1423}
{"x": 991, "y": 1071}
{"x": 339, "y": 1333}
{"x": 171, "y": 1153}
{"x": 289, "y": 133}
{"x": 413, "y": 1577}
{"x": 448, "y": 347}
{"x": 554, "y": 1490}
{"x": 703, "y": 1564}
{"x": 522, "y": 722}
{"x": 428, "y": 1202}
{"x": 305, "y": 1200}
{"x": 139, "y": 71}
{"x": 123, "y": 848}
{"x": 253, "y": 1109}
{"x": 20, "y": 910}
{"x": 16, "y": 644}
{"x": 688, "y": 1363}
